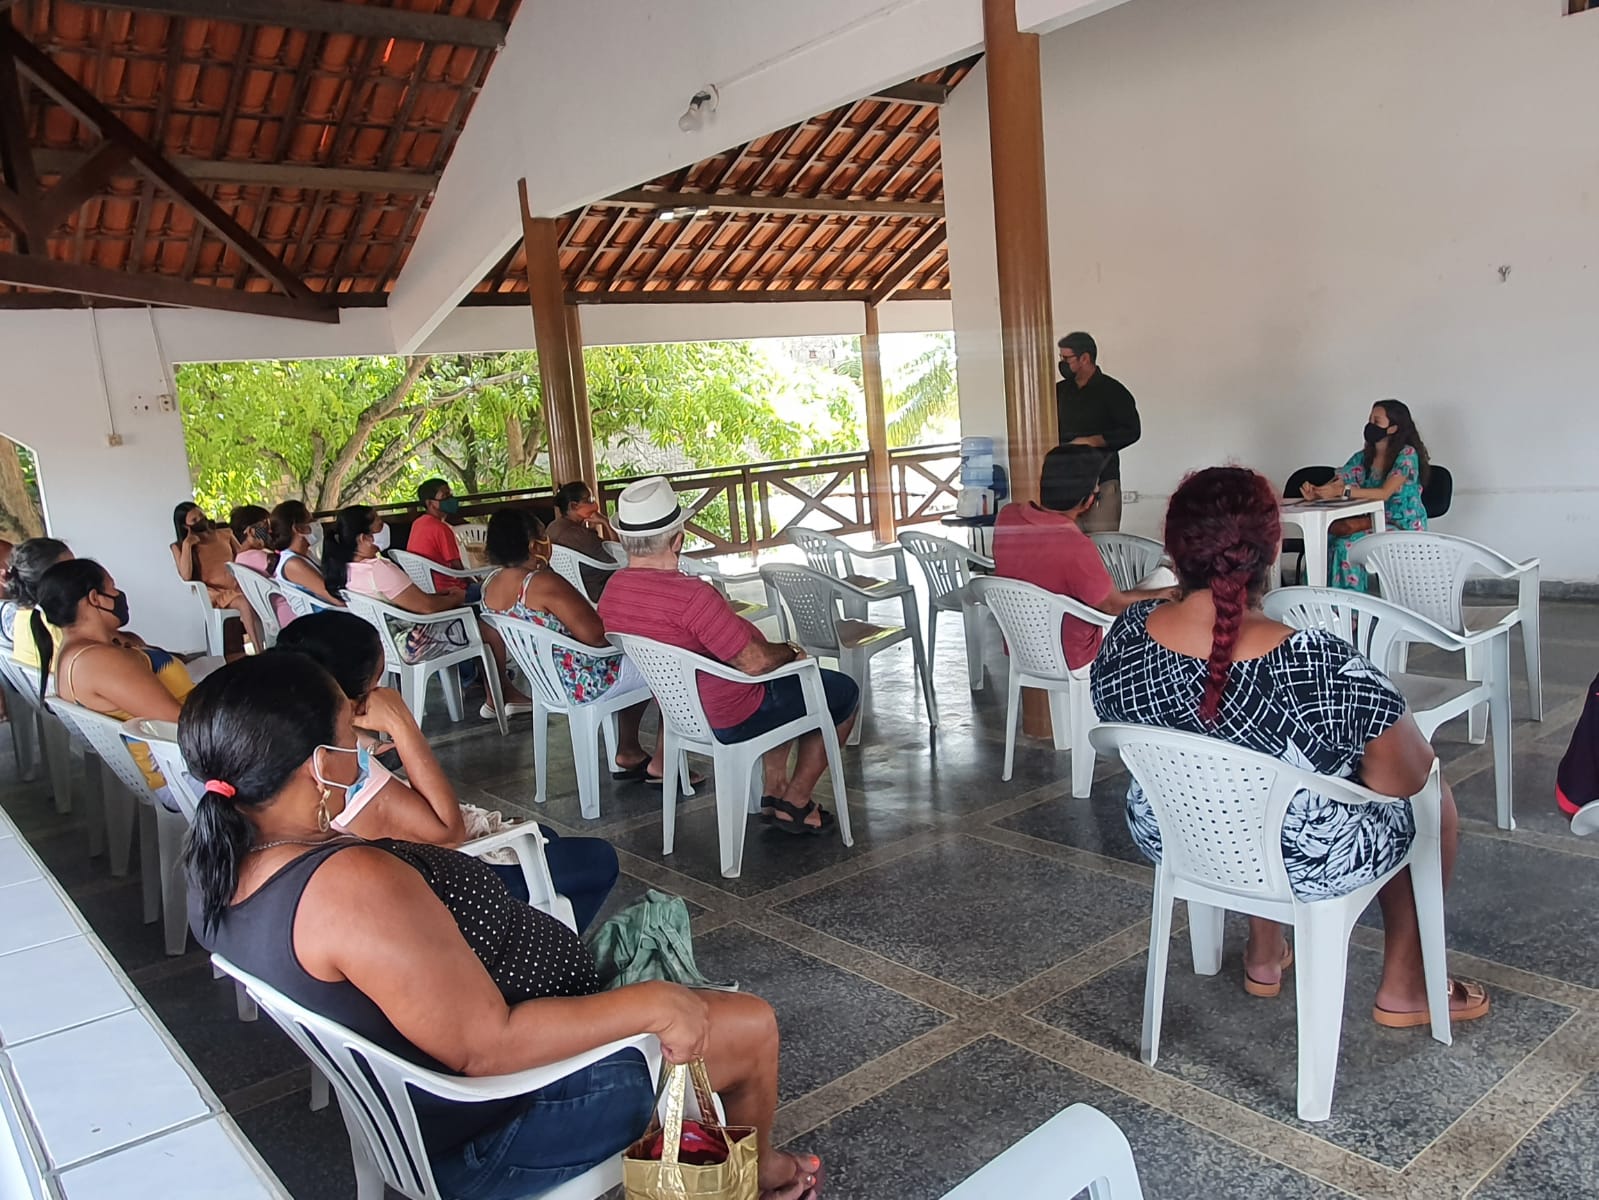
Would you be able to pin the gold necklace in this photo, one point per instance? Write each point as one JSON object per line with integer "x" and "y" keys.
{"x": 302, "y": 842}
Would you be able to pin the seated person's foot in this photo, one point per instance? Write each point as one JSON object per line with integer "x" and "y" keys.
{"x": 1264, "y": 966}
{"x": 788, "y": 1176}
{"x": 1467, "y": 1002}
{"x": 635, "y": 768}
{"x": 695, "y": 778}
{"x": 802, "y": 820}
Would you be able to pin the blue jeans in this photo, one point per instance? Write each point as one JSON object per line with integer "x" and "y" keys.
{"x": 583, "y": 869}
{"x": 559, "y": 1133}
{"x": 785, "y": 701}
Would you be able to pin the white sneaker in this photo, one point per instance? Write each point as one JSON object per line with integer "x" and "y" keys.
{"x": 511, "y": 710}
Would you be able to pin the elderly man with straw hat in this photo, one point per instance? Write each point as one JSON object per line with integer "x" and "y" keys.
{"x": 652, "y": 598}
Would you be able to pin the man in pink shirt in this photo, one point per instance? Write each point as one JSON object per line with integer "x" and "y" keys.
{"x": 652, "y": 598}
{"x": 1043, "y": 544}
{"x": 432, "y": 537}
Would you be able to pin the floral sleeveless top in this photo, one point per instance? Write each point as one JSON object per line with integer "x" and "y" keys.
{"x": 586, "y": 677}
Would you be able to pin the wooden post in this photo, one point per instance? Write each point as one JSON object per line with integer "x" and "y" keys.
{"x": 878, "y": 485}
{"x": 580, "y": 395}
{"x": 1021, "y": 238}
{"x": 548, "y": 296}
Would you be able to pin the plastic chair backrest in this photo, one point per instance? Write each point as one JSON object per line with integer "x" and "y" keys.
{"x": 810, "y": 598}
{"x": 104, "y": 736}
{"x": 472, "y": 535}
{"x": 303, "y": 603}
{"x": 670, "y": 671}
{"x": 162, "y": 739}
{"x": 1129, "y": 559}
{"x": 1315, "y": 476}
{"x": 26, "y": 688}
{"x": 371, "y": 611}
{"x": 944, "y": 563}
{"x": 568, "y": 564}
{"x": 1438, "y": 492}
{"x": 1375, "y": 627}
{"x": 417, "y": 569}
{"x": 822, "y": 551}
{"x": 703, "y": 568}
{"x": 534, "y": 649}
{"x": 258, "y": 592}
{"x": 1426, "y": 572}
{"x": 1030, "y": 618}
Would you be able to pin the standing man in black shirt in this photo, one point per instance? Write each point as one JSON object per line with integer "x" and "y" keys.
{"x": 1095, "y": 410}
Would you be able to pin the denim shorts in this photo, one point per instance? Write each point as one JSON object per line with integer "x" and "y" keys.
{"x": 559, "y": 1133}
{"x": 784, "y": 701}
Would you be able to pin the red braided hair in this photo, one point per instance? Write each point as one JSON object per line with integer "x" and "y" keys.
{"x": 1223, "y": 532}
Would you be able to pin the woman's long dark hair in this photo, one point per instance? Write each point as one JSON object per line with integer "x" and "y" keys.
{"x": 29, "y": 562}
{"x": 180, "y": 528}
{"x": 338, "y": 551}
{"x": 342, "y": 644}
{"x": 1407, "y": 435}
{"x": 61, "y": 590}
{"x": 1223, "y": 531}
{"x": 250, "y": 724}
{"x": 285, "y": 520}
{"x": 508, "y": 542}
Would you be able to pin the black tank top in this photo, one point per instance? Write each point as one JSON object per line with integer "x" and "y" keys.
{"x": 528, "y": 954}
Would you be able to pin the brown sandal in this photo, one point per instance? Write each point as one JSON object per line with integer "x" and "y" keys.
{"x": 1267, "y": 990}
{"x": 1476, "y": 1005}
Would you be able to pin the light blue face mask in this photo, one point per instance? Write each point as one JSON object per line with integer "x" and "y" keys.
{"x": 363, "y": 769}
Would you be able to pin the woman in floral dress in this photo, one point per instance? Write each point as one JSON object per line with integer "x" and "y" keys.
{"x": 1391, "y": 467}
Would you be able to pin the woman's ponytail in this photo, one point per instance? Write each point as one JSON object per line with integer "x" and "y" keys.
{"x": 218, "y": 840}
{"x": 45, "y": 647}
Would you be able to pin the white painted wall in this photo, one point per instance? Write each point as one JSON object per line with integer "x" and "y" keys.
{"x": 1271, "y": 215}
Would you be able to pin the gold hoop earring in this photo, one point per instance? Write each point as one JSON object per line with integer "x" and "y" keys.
{"x": 323, "y": 821}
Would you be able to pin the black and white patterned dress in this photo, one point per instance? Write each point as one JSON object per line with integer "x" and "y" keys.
{"x": 1314, "y": 702}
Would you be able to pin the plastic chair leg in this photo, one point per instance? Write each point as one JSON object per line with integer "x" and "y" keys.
{"x": 1532, "y": 649}
{"x": 491, "y": 684}
{"x": 1083, "y": 756}
{"x": 1205, "y": 925}
{"x": 671, "y": 760}
{"x": 1060, "y": 719}
{"x": 149, "y": 864}
{"x": 170, "y": 831}
{"x": 971, "y": 621}
{"x": 913, "y": 624}
{"x": 1321, "y": 959}
{"x": 1013, "y": 708}
{"x": 583, "y": 728}
{"x": 541, "y": 751}
{"x": 413, "y": 690}
{"x": 858, "y": 667}
{"x": 119, "y": 818}
{"x": 1479, "y": 660}
{"x": 58, "y": 755}
{"x": 1155, "y": 972}
{"x": 930, "y": 638}
{"x": 731, "y": 788}
{"x": 1499, "y": 718}
{"x": 319, "y": 1089}
{"x": 94, "y": 811}
{"x": 450, "y": 680}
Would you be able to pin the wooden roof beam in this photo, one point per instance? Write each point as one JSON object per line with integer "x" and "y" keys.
{"x": 905, "y": 266}
{"x": 328, "y": 16}
{"x": 650, "y": 198}
{"x": 915, "y": 92}
{"x": 721, "y": 296}
{"x": 264, "y": 174}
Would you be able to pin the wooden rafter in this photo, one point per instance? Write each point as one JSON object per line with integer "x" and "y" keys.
{"x": 653, "y": 198}
{"x": 915, "y": 92}
{"x": 905, "y": 265}
{"x": 328, "y": 16}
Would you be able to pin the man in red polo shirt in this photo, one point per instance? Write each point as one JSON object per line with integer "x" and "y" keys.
{"x": 432, "y": 537}
{"x": 652, "y": 598}
{"x": 1043, "y": 544}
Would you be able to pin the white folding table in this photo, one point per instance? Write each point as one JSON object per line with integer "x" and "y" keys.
{"x": 1313, "y": 517}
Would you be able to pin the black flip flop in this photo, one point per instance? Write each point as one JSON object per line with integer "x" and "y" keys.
{"x": 796, "y": 826}
{"x": 640, "y": 770}
{"x": 769, "y": 809}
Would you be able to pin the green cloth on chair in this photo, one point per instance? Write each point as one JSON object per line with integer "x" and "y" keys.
{"x": 648, "y": 940}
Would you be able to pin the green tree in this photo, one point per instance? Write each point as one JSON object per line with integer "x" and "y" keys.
{"x": 918, "y": 394}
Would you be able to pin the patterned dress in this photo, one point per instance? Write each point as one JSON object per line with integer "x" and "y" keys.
{"x": 586, "y": 677}
{"x": 1402, "y": 510}
{"x": 1313, "y": 702}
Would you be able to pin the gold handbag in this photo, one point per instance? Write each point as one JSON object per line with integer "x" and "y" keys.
{"x": 737, "y": 1177}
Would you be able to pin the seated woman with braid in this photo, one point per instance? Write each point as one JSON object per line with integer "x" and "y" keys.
{"x": 423, "y": 951}
{"x": 423, "y": 807}
{"x": 1213, "y": 664}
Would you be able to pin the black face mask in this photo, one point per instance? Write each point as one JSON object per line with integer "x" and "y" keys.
{"x": 1065, "y": 370}
{"x": 1374, "y": 433}
{"x": 119, "y": 607}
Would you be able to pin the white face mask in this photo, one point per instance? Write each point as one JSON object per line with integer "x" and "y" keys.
{"x": 381, "y": 537}
{"x": 313, "y": 535}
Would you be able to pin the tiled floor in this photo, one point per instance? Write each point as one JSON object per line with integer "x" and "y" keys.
{"x": 975, "y": 963}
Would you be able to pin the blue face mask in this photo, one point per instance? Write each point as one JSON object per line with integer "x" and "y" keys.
{"x": 450, "y": 505}
{"x": 363, "y": 769}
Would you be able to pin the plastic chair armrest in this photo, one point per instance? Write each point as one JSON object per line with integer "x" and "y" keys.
{"x": 723, "y": 671}
{"x": 519, "y": 1083}
{"x": 478, "y": 847}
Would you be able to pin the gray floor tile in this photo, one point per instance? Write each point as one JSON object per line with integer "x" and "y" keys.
{"x": 924, "y": 1135}
{"x": 1097, "y": 824}
{"x": 1397, "y": 1090}
{"x": 201, "y": 1012}
{"x": 832, "y": 1021}
{"x": 1532, "y": 791}
{"x": 309, "y": 1151}
{"x": 1558, "y": 1161}
{"x": 982, "y": 917}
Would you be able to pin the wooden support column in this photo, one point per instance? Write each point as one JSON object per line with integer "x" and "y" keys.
{"x": 580, "y": 394}
{"x": 547, "y": 294}
{"x": 1021, "y": 238}
{"x": 879, "y": 478}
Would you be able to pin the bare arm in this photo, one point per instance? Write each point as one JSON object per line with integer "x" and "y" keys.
{"x": 111, "y": 678}
{"x": 1398, "y": 760}
{"x": 300, "y": 573}
{"x": 183, "y": 556}
{"x": 760, "y": 656}
{"x": 414, "y": 599}
{"x": 555, "y": 595}
{"x": 422, "y": 807}
{"x": 370, "y": 919}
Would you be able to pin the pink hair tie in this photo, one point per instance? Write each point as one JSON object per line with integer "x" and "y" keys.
{"x": 226, "y": 790}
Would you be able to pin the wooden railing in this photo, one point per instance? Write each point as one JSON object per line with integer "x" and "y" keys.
{"x": 749, "y": 507}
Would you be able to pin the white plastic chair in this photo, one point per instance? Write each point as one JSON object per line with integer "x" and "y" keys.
{"x": 1129, "y": 559}
{"x": 1076, "y": 1149}
{"x": 375, "y": 1090}
{"x": 1220, "y": 810}
{"x": 674, "y": 678}
{"x": 471, "y": 535}
{"x": 258, "y": 591}
{"x": 414, "y": 676}
{"x": 23, "y": 711}
{"x": 534, "y": 649}
{"x": 420, "y": 571}
{"x": 706, "y": 569}
{"x": 1427, "y": 573}
{"x": 813, "y": 600}
{"x": 947, "y": 567}
{"x": 49, "y": 732}
{"x": 1381, "y": 631}
{"x": 568, "y": 564}
{"x": 1030, "y": 618}
{"x": 161, "y": 829}
{"x": 831, "y": 556}
{"x": 303, "y": 603}
{"x": 215, "y": 618}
